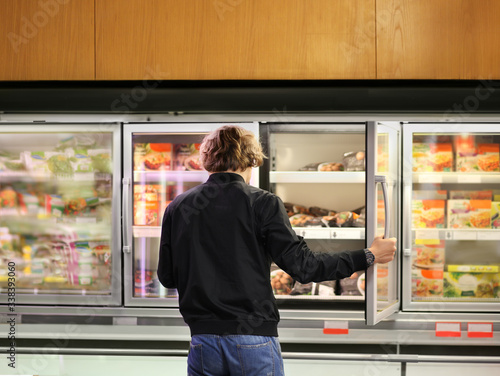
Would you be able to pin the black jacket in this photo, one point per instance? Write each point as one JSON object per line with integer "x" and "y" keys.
{"x": 217, "y": 244}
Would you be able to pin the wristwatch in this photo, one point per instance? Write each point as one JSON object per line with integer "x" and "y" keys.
{"x": 370, "y": 257}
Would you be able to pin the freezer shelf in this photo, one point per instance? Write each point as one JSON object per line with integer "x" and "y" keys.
{"x": 316, "y": 177}
{"x": 170, "y": 176}
{"x": 456, "y": 177}
{"x": 458, "y": 234}
{"x": 330, "y": 233}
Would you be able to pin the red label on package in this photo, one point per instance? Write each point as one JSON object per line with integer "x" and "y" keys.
{"x": 480, "y": 330}
{"x": 448, "y": 329}
{"x": 336, "y": 327}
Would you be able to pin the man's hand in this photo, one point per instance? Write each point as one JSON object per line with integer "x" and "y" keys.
{"x": 383, "y": 249}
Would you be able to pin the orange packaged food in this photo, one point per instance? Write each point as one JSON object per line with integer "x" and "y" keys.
{"x": 469, "y": 213}
{"x": 428, "y": 213}
{"x": 488, "y": 157}
{"x": 429, "y": 254}
{"x": 432, "y": 157}
{"x": 427, "y": 283}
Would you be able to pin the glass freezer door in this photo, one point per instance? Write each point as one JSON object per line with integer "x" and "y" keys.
{"x": 382, "y": 191}
{"x": 161, "y": 161}
{"x": 452, "y": 206}
{"x": 60, "y": 213}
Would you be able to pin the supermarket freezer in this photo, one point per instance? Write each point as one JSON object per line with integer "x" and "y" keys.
{"x": 60, "y": 213}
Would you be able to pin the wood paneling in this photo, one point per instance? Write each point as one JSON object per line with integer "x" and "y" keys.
{"x": 445, "y": 39}
{"x": 236, "y": 39}
{"x": 47, "y": 40}
{"x": 125, "y": 39}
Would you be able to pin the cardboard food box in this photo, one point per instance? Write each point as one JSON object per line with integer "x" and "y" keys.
{"x": 466, "y": 284}
{"x": 495, "y": 215}
{"x": 428, "y": 213}
{"x": 466, "y": 153}
{"x": 429, "y": 253}
{"x": 488, "y": 157}
{"x": 427, "y": 283}
{"x": 146, "y": 213}
{"x": 187, "y": 157}
{"x": 469, "y": 214}
{"x": 432, "y": 157}
{"x": 471, "y": 195}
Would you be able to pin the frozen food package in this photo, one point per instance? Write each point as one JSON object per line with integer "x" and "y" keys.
{"x": 471, "y": 285}
{"x": 311, "y": 167}
{"x": 80, "y": 160}
{"x": 471, "y": 195}
{"x": 187, "y": 157}
{"x": 345, "y": 219}
{"x": 469, "y": 214}
{"x": 429, "y": 253}
{"x": 302, "y": 289}
{"x": 326, "y": 288}
{"x": 466, "y": 153}
{"x": 382, "y": 158}
{"x": 331, "y": 166}
{"x": 354, "y": 161}
{"x": 101, "y": 160}
{"x": 304, "y": 220}
{"x": 432, "y": 157}
{"x": 361, "y": 220}
{"x": 319, "y": 212}
{"x": 382, "y": 281}
{"x": 428, "y": 213}
{"x": 495, "y": 215}
{"x": 488, "y": 157}
{"x": 146, "y": 283}
{"x": 353, "y": 285}
{"x": 165, "y": 152}
{"x": 427, "y": 283}
{"x": 281, "y": 282}
{"x": 146, "y": 213}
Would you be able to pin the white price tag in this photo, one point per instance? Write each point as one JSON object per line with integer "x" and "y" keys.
{"x": 465, "y": 235}
{"x": 468, "y": 178}
{"x": 316, "y": 233}
{"x": 346, "y": 234}
{"x": 86, "y": 220}
{"x": 427, "y": 234}
{"x": 430, "y": 178}
{"x": 488, "y": 235}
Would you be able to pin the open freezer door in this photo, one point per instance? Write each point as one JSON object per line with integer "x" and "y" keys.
{"x": 382, "y": 204}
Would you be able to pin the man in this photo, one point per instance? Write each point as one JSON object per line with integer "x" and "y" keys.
{"x": 217, "y": 244}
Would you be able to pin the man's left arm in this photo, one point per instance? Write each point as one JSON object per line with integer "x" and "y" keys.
{"x": 165, "y": 268}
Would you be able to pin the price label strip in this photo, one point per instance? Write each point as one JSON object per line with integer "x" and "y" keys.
{"x": 448, "y": 329}
{"x": 480, "y": 330}
{"x": 336, "y": 327}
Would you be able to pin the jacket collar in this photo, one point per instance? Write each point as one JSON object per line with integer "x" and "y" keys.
{"x": 225, "y": 177}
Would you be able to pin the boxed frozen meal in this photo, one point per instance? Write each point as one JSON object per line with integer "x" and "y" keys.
{"x": 382, "y": 281}
{"x": 495, "y": 215}
{"x": 471, "y": 195}
{"x": 428, "y": 213}
{"x": 146, "y": 213}
{"x": 429, "y": 253}
{"x": 471, "y": 285}
{"x": 466, "y": 153}
{"x": 186, "y": 157}
{"x": 432, "y": 157}
{"x": 469, "y": 214}
{"x": 427, "y": 283}
{"x": 153, "y": 156}
{"x": 488, "y": 157}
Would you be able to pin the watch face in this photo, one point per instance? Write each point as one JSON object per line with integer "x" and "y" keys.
{"x": 370, "y": 257}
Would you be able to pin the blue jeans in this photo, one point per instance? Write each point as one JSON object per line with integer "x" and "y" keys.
{"x": 242, "y": 355}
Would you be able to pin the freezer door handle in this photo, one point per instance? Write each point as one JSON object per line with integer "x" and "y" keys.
{"x": 126, "y": 215}
{"x": 383, "y": 181}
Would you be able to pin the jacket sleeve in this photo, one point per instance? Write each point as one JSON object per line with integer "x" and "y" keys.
{"x": 165, "y": 268}
{"x": 291, "y": 253}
